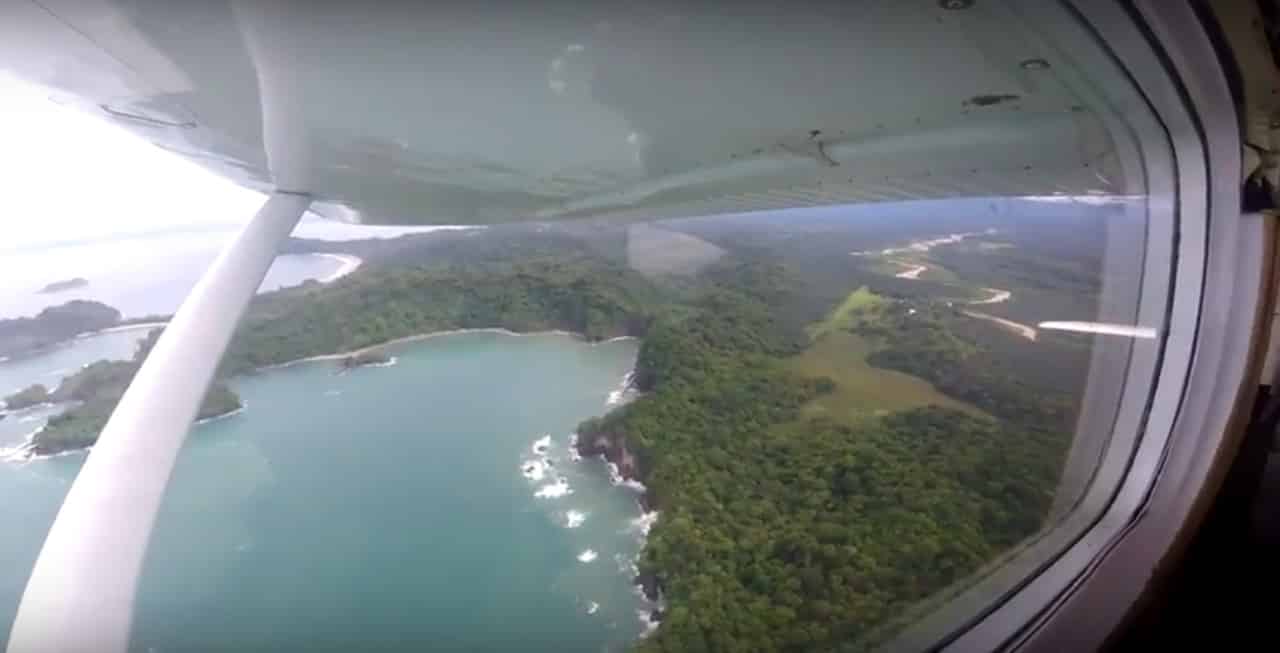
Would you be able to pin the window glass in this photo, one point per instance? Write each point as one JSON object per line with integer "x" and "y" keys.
{"x": 792, "y": 411}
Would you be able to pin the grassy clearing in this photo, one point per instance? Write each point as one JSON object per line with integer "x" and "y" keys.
{"x": 863, "y": 391}
{"x": 841, "y": 318}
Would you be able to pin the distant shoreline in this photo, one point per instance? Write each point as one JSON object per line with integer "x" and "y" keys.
{"x": 349, "y": 264}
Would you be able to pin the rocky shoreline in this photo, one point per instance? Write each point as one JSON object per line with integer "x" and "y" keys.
{"x": 612, "y": 447}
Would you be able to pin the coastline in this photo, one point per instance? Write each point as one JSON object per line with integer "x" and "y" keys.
{"x": 624, "y": 469}
{"x": 30, "y": 451}
{"x": 119, "y": 328}
{"x": 349, "y": 265}
{"x": 432, "y": 334}
{"x": 213, "y": 418}
{"x": 645, "y": 582}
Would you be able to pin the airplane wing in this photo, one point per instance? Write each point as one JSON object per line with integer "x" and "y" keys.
{"x": 419, "y": 113}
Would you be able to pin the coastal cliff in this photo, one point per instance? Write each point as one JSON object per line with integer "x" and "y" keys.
{"x": 603, "y": 437}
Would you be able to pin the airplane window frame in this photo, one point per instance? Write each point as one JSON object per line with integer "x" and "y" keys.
{"x": 1187, "y": 469}
{"x": 1190, "y": 423}
{"x": 1156, "y": 410}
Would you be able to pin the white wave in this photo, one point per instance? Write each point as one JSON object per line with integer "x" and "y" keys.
{"x": 554, "y": 490}
{"x": 587, "y": 556}
{"x": 646, "y": 619}
{"x": 644, "y": 523}
{"x": 29, "y": 418}
{"x": 619, "y": 394}
{"x": 23, "y": 453}
{"x": 574, "y": 518}
{"x": 616, "y": 339}
{"x": 533, "y": 470}
{"x": 387, "y": 363}
{"x": 615, "y": 477}
{"x": 573, "y": 448}
{"x": 627, "y": 565}
{"x": 542, "y": 445}
{"x": 633, "y": 484}
{"x": 593, "y": 607}
{"x": 62, "y": 371}
{"x": 224, "y": 415}
{"x": 13, "y": 454}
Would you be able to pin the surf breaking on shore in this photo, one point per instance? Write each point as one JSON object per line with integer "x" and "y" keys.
{"x": 550, "y": 483}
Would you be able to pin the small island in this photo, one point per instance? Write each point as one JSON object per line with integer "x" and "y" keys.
{"x": 366, "y": 357}
{"x": 67, "y": 284}
{"x": 32, "y": 395}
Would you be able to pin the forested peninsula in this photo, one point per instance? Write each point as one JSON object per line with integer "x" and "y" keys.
{"x": 53, "y": 325}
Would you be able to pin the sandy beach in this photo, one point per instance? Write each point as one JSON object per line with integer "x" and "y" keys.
{"x": 349, "y": 265}
{"x": 424, "y": 336}
{"x": 122, "y": 327}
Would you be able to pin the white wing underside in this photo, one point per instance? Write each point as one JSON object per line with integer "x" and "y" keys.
{"x": 422, "y": 113}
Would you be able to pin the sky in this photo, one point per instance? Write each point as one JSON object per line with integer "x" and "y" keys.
{"x": 70, "y": 176}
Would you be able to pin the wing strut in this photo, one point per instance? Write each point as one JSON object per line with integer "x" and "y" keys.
{"x": 80, "y": 596}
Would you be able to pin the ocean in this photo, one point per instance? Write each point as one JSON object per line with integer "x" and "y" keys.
{"x": 432, "y": 504}
{"x": 139, "y": 276}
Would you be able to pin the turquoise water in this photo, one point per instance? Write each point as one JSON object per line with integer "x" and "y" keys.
{"x": 50, "y": 367}
{"x": 387, "y": 507}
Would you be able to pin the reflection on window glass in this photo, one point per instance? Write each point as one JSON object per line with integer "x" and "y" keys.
{"x": 803, "y": 428}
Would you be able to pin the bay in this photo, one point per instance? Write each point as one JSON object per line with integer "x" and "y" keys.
{"x": 394, "y": 507}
